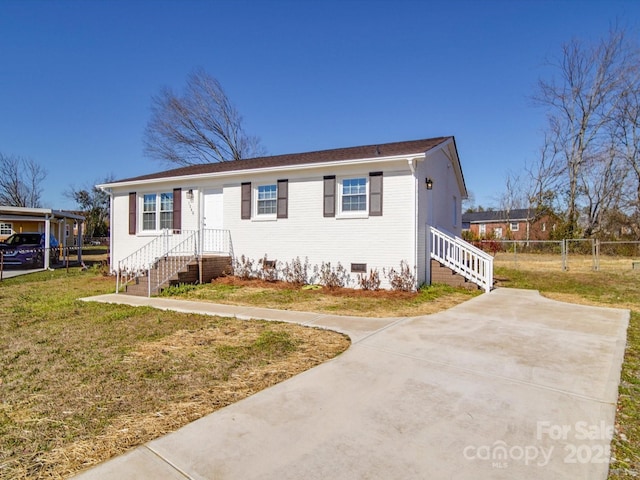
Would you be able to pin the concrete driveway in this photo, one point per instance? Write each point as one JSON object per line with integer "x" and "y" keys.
{"x": 507, "y": 385}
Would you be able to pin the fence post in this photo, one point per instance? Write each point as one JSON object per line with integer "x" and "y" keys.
{"x": 563, "y": 249}
{"x": 595, "y": 251}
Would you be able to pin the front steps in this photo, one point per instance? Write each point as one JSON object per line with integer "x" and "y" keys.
{"x": 212, "y": 267}
{"x": 442, "y": 274}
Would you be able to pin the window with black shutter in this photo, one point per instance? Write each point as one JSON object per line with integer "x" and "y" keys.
{"x": 375, "y": 193}
{"x": 283, "y": 198}
{"x": 133, "y": 212}
{"x": 245, "y": 213}
{"x": 329, "y": 208}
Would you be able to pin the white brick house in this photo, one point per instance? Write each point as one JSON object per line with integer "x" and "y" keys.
{"x": 366, "y": 207}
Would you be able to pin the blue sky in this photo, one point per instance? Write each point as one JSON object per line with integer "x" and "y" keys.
{"x": 76, "y": 77}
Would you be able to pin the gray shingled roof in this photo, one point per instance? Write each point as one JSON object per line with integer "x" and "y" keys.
{"x": 497, "y": 215}
{"x": 338, "y": 154}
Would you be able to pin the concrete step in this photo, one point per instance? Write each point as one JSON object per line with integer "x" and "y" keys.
{"x": 212, "y": 267}
{"x": 442, "y": 274}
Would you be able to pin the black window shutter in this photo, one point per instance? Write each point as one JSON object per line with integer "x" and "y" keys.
{"x": 375, "y": 194}
{"x": 330, "y": 196}
{"x": 132, "y": 213}
{"x": 283, "y": 198}
{"x": 245, "y": 213}
{"x": 177, "y": 210}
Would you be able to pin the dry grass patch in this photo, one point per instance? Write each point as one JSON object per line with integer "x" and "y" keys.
{"x": 82, "y": 382}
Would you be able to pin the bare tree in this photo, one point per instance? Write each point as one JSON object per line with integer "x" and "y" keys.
{"x": 627, "y": 135}
{"x": 602, "y": 185}
{"x": 515, "y": 195}
{"x": 20, "y": 181}
{"x": 94, "y": 204}
{"x": 200, "y": 126}
{"x": 581, "y": 103}
{"x": 544, "y": 179}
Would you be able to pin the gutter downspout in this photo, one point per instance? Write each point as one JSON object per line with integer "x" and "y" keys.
{"x": 412, "y": 167}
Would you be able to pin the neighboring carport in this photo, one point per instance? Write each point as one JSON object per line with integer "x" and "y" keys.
{"x": 43, "y": 220}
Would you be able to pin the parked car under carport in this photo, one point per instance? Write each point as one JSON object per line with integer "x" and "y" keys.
{"x": 27, "y": 250}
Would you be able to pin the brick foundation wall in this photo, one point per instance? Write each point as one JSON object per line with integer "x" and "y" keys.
{"x": 442, "y": 274}
{"x": 214, "y": 267}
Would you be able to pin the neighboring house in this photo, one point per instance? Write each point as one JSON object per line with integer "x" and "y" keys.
{"x": 516, "y": 224}
{"x": 365, "y": 207}
{"x": 41, "y": 220}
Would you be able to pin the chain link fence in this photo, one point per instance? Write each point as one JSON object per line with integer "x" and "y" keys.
{"x": 580, "y": 254}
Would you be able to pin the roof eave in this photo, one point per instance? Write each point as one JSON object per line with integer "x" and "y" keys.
{"x": 237, "y": 173}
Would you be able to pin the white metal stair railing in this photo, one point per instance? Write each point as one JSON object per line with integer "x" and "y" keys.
{"x": 172, "y": 262}
{"x": 139, "y": 262}
{"x": 463, "y": 258}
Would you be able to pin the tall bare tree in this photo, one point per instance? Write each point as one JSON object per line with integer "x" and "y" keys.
{"x": 581, "y": 101}
{"x": 199, "y": 126}
{"x": 602, "y": 186}
{"x": 20, "y": 181}
{"x": 627, "y": 136}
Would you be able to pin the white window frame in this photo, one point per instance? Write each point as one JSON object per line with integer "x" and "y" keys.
{"x": 482, "y": 229}
{"x": 512, "y": 228}
{"x": 157, "y": 212}
{"x": 497, "y": 233}
{"x": 256, "y": 202}
{"x": 340, "y": 194}
{"x": 4, "y": 230}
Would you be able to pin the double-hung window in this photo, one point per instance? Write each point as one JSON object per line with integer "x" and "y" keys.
{"x": 157, "y": 211}
{"x": 6, "y": 229}
{"x": 267, "y": 201}
{"x": 514, "y": 226}
{"x": 353, "y": 195}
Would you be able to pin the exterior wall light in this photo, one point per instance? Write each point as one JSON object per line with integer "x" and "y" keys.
{"x": 190, "y": 194}
{"x": 429, "y": 183}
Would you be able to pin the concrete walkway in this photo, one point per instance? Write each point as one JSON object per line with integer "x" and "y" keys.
{"x": 506, "y": 385}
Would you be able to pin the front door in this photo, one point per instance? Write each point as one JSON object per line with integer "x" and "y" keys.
{"x": 212, "y": 216}
{"x": 214, "y": 240}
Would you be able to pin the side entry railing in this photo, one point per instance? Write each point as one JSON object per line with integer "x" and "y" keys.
{"x": 463, "y": 258}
